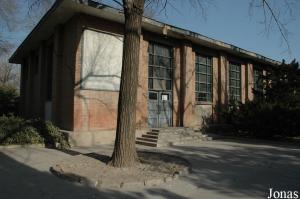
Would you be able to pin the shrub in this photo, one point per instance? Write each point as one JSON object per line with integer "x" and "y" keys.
{"x": 263, "y": 120}
{"x": 9, "y": 99}
{"x": 53, "y": 137}
{"x": 28, "y": 135}
{"x": 15, "y": 130}
{"x": 275, "y": 111}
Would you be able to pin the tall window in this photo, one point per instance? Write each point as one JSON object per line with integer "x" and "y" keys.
{"x": 235, "y": 81}
{"x": 258, "y": 82}
{"x": 203, "y": 75}
{"x": 160, "y": 67}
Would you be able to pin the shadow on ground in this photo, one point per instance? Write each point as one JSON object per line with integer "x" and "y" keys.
{"x": 220, "y": 170}
{"x": 20, "y": 181}
{"x": 242, "y": 170}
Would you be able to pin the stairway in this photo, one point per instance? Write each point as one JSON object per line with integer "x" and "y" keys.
{"x": 170, "y": 136}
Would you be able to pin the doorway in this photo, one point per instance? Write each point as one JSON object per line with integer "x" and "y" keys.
{"x": 160, "y": 81}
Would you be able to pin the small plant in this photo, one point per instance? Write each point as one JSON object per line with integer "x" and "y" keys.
{"x": 16, "y": 130}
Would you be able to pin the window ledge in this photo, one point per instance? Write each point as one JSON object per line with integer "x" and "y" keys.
{"x": 204, "y": 103}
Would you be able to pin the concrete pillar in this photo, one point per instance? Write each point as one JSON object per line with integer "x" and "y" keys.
{"x": 56, "y": 73}
{"x": 23, "y": 87}
{"x": 177, "y": 115}
{"x": 249, "y": 81}
{"x": 215, "y": 83}
{"x": 223, "y": 80}
{"x": 142, "y": 92}
{"x": 42, "y": 79}
{"x": 188, "y": 85}
{"x": 243, "y": 82}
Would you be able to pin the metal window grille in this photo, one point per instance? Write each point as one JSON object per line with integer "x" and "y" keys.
{"x": 235, "y": 81}
{"x": 203, "y": 78}
{"x": 160, "y": 70}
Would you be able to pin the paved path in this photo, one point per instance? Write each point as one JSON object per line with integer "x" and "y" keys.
{"x": 220, "y": 170}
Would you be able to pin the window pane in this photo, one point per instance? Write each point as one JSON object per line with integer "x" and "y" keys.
{"x": 202, "y": 68}
{"x": 208, "y": 69}
{"x": 151, "y": 59}
{"x": 209, "y": 61}
{"x": 203, "y": 87}
{"x": 153, "y": 96}
{"x": 150, "y": 49}
{"x": 150, "y": 83}
{"x": 203, "y": 78}
{"x": 209, "y": 79}
{"x": 150, "y": 71}
{"x": 169, "y": 85}
{"x": 202, "y": 60}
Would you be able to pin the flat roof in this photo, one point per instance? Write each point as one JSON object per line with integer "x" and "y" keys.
{"x": 63, "y": 10}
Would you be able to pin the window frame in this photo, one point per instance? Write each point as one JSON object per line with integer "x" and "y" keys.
{"x": 257, "y": 76}
{"x": 153, "y": 66}
{"x": 233, "y": 95}
{"x": 208, "y": 76}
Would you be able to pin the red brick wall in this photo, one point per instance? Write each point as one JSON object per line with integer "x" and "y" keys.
{"x": 90, "y": 110}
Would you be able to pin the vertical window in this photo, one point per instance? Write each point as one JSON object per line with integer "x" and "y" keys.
{"x": 160, "y": 67}
{"x": 203, "y": 78}
{"x": 258, "y": 82}
{"x": 234, "y": 81}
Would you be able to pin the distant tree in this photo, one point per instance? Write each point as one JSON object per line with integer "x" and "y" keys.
{"x": 281, "y": 85}
{"x": 8, "y": 10}
{"x": 9, "y": 74}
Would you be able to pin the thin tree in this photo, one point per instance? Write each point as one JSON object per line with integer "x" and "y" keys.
{"x": 124, "y": 154}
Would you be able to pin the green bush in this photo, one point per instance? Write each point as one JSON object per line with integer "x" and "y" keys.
{"x": 15, "y": 130}
{"x": 263, "y": 120}
{"x": 9, "y": 100}
{"x": 51, "y": 134}
{"x": 28, "y": 135}
{"x": 275, "y": 111}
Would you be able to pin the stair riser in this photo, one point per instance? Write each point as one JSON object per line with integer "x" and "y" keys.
{"x": 147, "y": 139}
{"x": 150, "y": 136}
{"x": 146, "y": 143}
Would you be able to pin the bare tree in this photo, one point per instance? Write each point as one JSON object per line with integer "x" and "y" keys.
{"x": 8, "y": 10}
{"x": 9, "y": 74}
{"x": 276, "y": 15}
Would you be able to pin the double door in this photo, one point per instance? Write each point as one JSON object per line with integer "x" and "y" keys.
{"x": 159, "y": 109}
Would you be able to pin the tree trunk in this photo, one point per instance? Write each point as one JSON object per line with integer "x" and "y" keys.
{"x": 124, "y": 154}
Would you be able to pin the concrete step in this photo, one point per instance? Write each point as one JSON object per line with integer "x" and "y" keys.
{"x": 145, "y": 143}
{"x": 152, "y": 133}
{"x": 147, "y": 139}
{"x": 150, "y": 136}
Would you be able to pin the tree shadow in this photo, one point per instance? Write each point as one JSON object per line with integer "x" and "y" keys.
{"x": 238, "y": 170}
{"x": 21, "y": 181}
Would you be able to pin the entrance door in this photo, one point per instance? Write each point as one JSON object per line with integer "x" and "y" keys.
{"x": 160, "y": 81}
{"x": 160, "y": 109}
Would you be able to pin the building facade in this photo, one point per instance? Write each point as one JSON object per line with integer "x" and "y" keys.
{"x": 71, "y": 68}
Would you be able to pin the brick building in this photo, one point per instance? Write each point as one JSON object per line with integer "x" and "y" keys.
{"x": 71, "y": 63}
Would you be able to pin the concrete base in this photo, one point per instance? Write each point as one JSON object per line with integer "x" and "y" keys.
{"x": 94, "y": 138}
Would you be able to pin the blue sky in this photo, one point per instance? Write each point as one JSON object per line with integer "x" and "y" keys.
{"x": 230, "y": 22}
